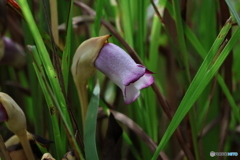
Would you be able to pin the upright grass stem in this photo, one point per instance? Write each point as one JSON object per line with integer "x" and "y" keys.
{"x": 181, "y": 38}
{"x": 67, "y": 50}
{"x": 208, "y": 69}
{"x": 54, "y": 20}
{"x": 49, "y": 70}
{"x": 183, "y": 50}
{"x": 51, "y": 99}
{"x": 51, "y": 107}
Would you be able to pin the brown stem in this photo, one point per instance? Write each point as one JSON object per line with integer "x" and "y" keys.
{"x": 227, "y": 71}
{"x": 54, "y": 20}
{"x": 158, "y": 13}
{"x": 3, "y": 150}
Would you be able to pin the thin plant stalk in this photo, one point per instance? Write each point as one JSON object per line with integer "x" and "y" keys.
{"x": 54, "y": 20}
{"x": 83, "y": 97}
{"x": 26, "y": 145}
{"x": 3, "y": 150}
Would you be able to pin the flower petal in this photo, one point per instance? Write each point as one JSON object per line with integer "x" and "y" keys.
{"x": 3, "y": 113}
{"x": 13, "y": 55}
{"x": 131, "y": 93}
{"x": 117, "y": 65}
{"x": 145, "y": 81}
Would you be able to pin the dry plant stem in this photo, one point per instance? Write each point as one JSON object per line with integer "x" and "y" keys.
{"x": 124, "y": 119}
{"x": 83, "y": 97}
{"x": 134, "y": 127}
{"x": 54, "y": 55}
{"x": 209, "y": 126}
{"x": 227, "y": 68}
{"x": 134, "y": 55}
{"x": 26, "y": 145}
{"x": 3, "y": 150}
{"x": 54, "y": 20}
{"x": 210, "y": 97}
{"x": 3, "y": 18}
{"x": 158, "y": 14}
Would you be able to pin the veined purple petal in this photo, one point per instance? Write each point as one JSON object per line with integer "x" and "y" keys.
{"x": 3, "y": 113}
{"x": 116, "y": 64}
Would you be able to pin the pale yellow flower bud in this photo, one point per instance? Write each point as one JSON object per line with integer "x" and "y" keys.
{"x": 16, "y": 121}
{"x": 47, "y": 156}
{"x": 83, "y": 67}
{"x": 83, "y": 60}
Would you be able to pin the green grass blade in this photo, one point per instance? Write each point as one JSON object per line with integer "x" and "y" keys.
{"x": 194, "y": 41}
{"x": 141, "y": 28}
{"x": 192, "y": 118}
{"x": 153, "y": 49}
{"x": 90, "y": 126}
{"x": 43, "y": 83}
{"x": 207, "y": 70}
{"x": 67, "y": 50}
{"x": 52, "y": 102}
{"x": 99, "y": 13}
{"x": 127, "y": 21}
{"x": 135, "y": 153}
{"x": 201, "y": 51}
{"x": 234, "y": 12}
{"x": 37, "y": 99}
{"x": 46, "y": 61}
{"x": 181, "y": 38}
{"x": 184, "y": 56}
{"x": 226, "y": 91}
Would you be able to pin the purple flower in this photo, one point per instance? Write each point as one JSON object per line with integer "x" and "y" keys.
{"x": 3, "y": 113}
{"x": 117, "y": 65}
{"x": 12, "y": 53}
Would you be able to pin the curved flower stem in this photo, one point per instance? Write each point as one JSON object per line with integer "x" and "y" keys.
{"x": 83, "y": 97}
{"x": 26, "y": 145}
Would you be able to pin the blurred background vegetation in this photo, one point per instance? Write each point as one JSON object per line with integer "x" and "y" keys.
{"x": 191, "y": 46}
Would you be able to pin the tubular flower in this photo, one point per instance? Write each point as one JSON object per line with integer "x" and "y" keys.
{"x": 117, "y": 65}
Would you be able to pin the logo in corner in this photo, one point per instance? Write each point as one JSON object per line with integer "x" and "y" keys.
{"x": 212, "y": 154}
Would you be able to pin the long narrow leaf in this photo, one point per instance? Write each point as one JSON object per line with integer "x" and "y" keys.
{"x": 46, "y": 61}
{"x": 234, "y": 12}
{"x": 67, "y": 49}
{"x": 207, "y": 70}
{"x": 51, "y": 107}
{"x": 90, "y": 126}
